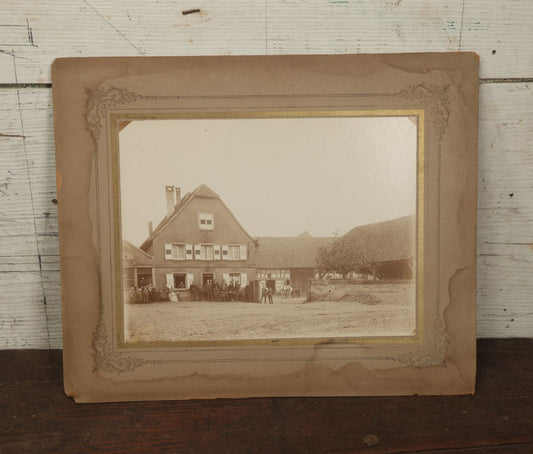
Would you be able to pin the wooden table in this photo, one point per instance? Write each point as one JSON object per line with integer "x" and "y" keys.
{"x": 36, "y": 416}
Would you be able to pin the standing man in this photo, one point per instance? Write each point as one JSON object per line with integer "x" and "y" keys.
{"x": 209, "y": 288}
{"x": 264, "y": 294}
{"x": 194, "y": 291}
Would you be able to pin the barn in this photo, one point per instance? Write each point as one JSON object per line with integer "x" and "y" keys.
{"x": 287, "y": 260}
{"x": 390, "y": 246}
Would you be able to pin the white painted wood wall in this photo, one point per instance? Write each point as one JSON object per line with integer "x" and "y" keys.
{"x": 33, "y": 33}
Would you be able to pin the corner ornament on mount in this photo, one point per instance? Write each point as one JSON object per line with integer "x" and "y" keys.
{"x": 100, "y": 100}
{"x": 105, "y": 360}
{"x": 435, "y": 99}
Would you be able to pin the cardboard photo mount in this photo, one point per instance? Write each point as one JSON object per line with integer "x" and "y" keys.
{"x": 91, "y": 96}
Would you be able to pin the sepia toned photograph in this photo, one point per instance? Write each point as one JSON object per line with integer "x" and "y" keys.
{"x": 259, "y": 226}
{"x": 272, "y": 229}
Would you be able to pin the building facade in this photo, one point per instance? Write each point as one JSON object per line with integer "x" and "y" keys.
{"x": 199, "y": 240}
{"x": 137, "y": 266}
{"x": 282, "y": 261}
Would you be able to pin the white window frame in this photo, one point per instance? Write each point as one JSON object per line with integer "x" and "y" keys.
{"x": 234, "y": 247}
{"x": 232, "y": 276}
{"x": 187, "y": 249}
{"x": 242, "y": 253}
{"x": 181, "y": 246}
{"x": 202, "y": 248}
{"x": 185, "y": 280}
{"x": 207, "y": 217}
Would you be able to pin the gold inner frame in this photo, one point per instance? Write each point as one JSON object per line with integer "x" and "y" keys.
{"x": 118, "y": 313}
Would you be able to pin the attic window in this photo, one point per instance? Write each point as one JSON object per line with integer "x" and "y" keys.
{"x": 206, "y": 221}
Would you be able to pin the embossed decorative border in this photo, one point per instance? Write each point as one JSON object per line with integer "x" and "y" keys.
{"x": 99, "y": 101}
{"x": 433, "y": 98}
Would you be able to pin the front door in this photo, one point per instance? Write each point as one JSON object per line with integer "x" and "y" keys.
{"x": 206, "y": 277}
{"x": 144, "y": 277}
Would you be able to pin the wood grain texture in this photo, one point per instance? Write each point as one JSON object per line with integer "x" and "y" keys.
{"x": 38, "y": 32}
{"x": 505, "y": 211}
{"x": 29, "y": 249}
{"x": 32, "y": 34}
{"x": 37, "y": 417}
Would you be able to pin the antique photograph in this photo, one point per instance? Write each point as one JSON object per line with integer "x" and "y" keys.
{"x": 267, "y": 228}
{"x": 253, "y": 226}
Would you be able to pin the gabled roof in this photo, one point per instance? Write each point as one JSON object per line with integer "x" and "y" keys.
{"x": 382, "y": 242}
{"x": 386, "y": 241}
{"x": 287, "y": 252}
{"x": 127, "y": 244}
{"x": 203, "y": 191}
{"x": 133, "y": 256}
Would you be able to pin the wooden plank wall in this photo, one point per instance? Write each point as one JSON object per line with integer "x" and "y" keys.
{"x": 33, "y": 33}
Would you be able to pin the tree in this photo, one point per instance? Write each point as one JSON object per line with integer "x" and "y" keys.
{"x": 342, "y": 256}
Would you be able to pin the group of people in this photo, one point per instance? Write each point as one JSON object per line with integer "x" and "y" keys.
{"x": 215, "y": 291}
{"x": 144, "y": 294}
{"x": 210, "y": 291}
{"x": 287, "y": 291}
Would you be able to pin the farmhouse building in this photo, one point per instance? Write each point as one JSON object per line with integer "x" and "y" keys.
{"x": 199, "y": 240}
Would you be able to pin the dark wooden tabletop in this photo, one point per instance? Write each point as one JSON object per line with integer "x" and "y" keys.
{"x": 36, "y": 416}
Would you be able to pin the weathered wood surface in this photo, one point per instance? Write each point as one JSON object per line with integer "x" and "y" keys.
{"x": 32, "y": 34}
{"x": 38, "y": 32}
{"x": 38, "y": 417}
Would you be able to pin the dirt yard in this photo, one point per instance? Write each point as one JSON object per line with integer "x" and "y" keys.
{"x": 390, "y": 314}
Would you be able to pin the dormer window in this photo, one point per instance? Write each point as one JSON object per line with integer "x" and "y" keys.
{"x": 206, "y": 221}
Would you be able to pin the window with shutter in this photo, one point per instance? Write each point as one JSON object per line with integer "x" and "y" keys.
{"x": 206, "y": 221}
{"x": 168, "y": 251}
{"x": 198, "y": 252}
{"x": 170, "y": 280}
{"x": 217, "y": 251}
{"x": 188, "y": 252}
{"x": 225, "y": 252}
{"x": 178, "y": 251}
{"x": 234, "y": 252}
{"x": 208, "y": 251}
{"x": 243, "y": 252}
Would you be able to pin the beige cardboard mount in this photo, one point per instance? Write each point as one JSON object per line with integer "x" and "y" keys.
{"x": 92, "y": 96}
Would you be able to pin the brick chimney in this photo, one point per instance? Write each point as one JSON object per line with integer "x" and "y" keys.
{"x": 169, "y": 190}
{"x": 150, "y": 228}
{"x": 178, "y": 195}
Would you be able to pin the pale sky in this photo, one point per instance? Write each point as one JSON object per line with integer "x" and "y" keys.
{"x": 279, "y": 177}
